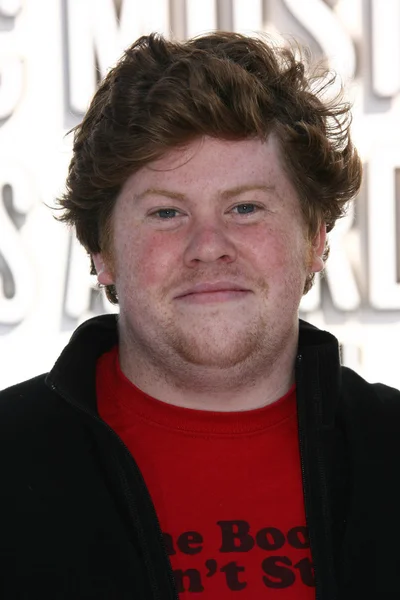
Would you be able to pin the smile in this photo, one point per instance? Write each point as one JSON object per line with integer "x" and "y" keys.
{"x": 214, "y": 296}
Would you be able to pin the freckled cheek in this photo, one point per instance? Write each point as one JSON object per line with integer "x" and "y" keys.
{"x": 154, "y": 261}
{"x": 270, "y": 252}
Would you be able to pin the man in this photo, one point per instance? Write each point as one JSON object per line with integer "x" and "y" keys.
{"x": 204, "y": 443}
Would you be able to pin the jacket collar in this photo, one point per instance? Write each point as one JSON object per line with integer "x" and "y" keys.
{"x": 318, "y": 362}
{"x": 74, "y": 373}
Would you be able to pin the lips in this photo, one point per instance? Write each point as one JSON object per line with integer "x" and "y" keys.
{"x": 212, "y": 288}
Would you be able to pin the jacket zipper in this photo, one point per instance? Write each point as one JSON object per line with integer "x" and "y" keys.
{"x": 305, "y": 488}
{"x": 128, "y": 496}
{"x": 322, "y": 499}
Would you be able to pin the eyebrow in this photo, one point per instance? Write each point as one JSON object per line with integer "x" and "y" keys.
{"x": 246, "y": 188}
{"x": 159, "y": 192}
{"x": 226, "y": 195}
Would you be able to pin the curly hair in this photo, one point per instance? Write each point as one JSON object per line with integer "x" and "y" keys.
{"x": 162, "y": 94}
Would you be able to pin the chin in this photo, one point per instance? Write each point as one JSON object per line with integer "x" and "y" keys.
{"x": 223, "y": 352}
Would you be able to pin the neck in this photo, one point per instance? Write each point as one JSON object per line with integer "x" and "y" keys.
{"x": 258, "y": 381}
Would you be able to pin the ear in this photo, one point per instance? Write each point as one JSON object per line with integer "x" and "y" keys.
{"x": 104, "y": 273}
{"x": 317, "y": 250}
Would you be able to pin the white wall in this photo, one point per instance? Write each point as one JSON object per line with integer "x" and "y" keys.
{"x": 47, "y": 76}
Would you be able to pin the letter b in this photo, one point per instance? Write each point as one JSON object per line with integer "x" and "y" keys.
{"x": 235, "y": 536}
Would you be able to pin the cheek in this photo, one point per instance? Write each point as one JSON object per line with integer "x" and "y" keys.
{"x": 148, "y": 260}
{"x": 274, "y": 250}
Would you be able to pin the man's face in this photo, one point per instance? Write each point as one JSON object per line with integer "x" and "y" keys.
{"x": 210, "y": 255}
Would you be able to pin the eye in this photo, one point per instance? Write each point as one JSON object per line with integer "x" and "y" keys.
{"x": 165, "y": 213}
{"x": 246, "y": 209}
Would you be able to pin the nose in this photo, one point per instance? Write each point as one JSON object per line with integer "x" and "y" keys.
{"x": 209, "y": 242}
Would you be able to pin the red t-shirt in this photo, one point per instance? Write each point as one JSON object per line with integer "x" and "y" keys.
{"x": 226, "y": 486}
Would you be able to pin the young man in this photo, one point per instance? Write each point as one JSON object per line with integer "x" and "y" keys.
{"x": 204, "y": 443}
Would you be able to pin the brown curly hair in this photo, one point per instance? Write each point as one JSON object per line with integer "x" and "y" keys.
{"x": 164, "y": 93}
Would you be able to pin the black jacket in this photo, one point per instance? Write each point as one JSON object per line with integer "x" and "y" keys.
{"x": 77, "y": 522}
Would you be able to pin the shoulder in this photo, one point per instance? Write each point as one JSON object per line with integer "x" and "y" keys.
{"x": 23, "y": 393}
{"x": 359, "y": 391}
{"x": 41, "y": 436}
{"x": 370, "y": 407}
{"x": 30, "y": 405}
{"x": 21, "y": 389}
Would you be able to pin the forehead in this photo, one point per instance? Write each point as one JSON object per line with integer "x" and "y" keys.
{"x": 210, "y": 165}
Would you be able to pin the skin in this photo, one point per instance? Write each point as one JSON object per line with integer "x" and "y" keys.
{"x": 219, "y": 213}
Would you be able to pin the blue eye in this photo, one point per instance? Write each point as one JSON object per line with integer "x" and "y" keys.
{"x": 245, "y": 209}
{"x": 166, "y": 213}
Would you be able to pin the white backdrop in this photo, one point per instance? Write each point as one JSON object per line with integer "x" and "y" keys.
{"x": 51, "y": 54}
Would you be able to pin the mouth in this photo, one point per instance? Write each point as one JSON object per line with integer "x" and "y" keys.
{"x": 205, "y": 293}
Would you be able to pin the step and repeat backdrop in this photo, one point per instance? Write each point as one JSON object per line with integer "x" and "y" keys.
{"x": 52, "y": 54}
